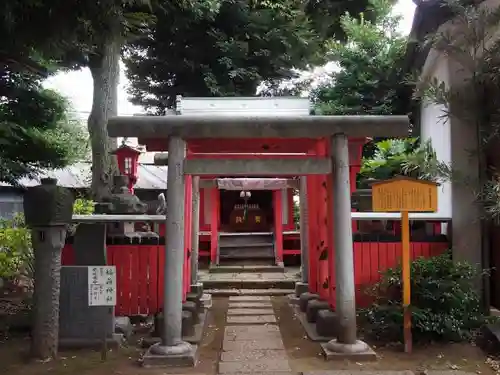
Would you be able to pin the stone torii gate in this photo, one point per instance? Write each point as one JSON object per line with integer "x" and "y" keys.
{"x": 175, "y": 130}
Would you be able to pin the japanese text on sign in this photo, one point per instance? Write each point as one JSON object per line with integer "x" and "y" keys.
{"x": 102, "y": 285}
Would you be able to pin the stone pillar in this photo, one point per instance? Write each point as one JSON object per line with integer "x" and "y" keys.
{"x": 172, "y": 350}
{"x": 346, "y": 343}
{"x": 196, "y": 287}
{"x": 48, "y": 210}
{"x": 303, "y": 285}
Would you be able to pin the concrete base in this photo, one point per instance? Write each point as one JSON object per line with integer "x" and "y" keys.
{"x": 113, "y": 342}
{"x": 327, "y": 323}
{"x": 206, "y": 300}
{"x": 313, "y": 307}
{"x": 194, "y": 337}
{"x": 192, "y": 307}
{"x": 181, "y": 355}
{"x": 192, "y": 297}
{"x": 359, "y": 351}
{"x": 197, "y": 289}
{"x": 300, "y": 288}
{"x": 304, "y": 300}
{"x": 310, "y": 328}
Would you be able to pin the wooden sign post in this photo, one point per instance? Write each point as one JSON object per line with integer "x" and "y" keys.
{"x": 405, "y": 195}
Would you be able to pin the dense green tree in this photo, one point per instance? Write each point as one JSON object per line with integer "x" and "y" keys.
{"x": 36, "y": 130}
{"x": 370, "y": 78}
{"x": 246, "y": 43}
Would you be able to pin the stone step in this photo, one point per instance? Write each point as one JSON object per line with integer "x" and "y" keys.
{"x": 246, "y": 320}
{"x": 250, "y": 305}
{"x": 245, "y": 239}
{"x": 252, "y": 367}
{"x": 238, "y": 252}
{"x": 249, "y": 284}
{"x": 249, "y": 312}
{"x": 221, "y": 292}
{"x": 245, "y": 268}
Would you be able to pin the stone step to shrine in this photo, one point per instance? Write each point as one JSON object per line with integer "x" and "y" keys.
{"x": 249, "y": 292}
{"x": 246, "y": 246}
{"x": 234, "y": 267}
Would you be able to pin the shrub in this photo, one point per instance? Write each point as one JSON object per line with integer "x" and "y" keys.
{"x": 445, "y": 304}
{"x": 16, "y": 252}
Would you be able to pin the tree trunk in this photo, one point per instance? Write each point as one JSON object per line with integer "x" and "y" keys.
{"x": 105, "y": 70}
{"x": 47, "y": 242}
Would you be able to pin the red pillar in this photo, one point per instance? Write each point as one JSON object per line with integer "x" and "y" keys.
{"x": 188, "y": 203}
{"x": 214, "y": 224}
{"x": 312, "y": 232}
{"x": 278, "y": 225}
{"x": 324, "y": 244}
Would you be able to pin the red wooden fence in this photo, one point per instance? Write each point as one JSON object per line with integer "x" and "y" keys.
{"x": 140, "y": 271}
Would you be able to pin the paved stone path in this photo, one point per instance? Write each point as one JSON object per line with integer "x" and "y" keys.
{"x": 252, "y": 339}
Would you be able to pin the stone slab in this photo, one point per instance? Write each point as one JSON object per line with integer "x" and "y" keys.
{"x": 250, "y": 312}
{"x": 366, "y": 356}
{"x": 250, "y": 305}
{"x": 368, "y": 372}
{"x": 249, "y": 345}
{"x": 249, "y": 298}
{"x": 241, "y": 329}
{"x": 183, "y": 360}
{"x": 310, "y": 328}
{"x": 254, "y": 366}
{"x": 258, "y": 319}
{"x": 253, "y": 336}
{"x": 253, "y": 355}
{"x": 224, "y": 292}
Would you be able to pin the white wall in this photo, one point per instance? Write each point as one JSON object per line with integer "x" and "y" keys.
{"x": 437, "y": 129}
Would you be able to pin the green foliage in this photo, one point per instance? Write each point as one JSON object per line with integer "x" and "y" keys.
{"x": 445, "y": 304}
{"x": 397, "y": 157}
{"x": 16, "y": 251}
{"x": 36, "y": 130}
{"x": 230, "y": 54}
{"x": 369, "y": 79}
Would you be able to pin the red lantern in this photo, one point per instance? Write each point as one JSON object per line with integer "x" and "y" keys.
{"x": 128, "y": 161}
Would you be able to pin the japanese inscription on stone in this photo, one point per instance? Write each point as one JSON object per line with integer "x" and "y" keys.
{"x": 102, "y": 285}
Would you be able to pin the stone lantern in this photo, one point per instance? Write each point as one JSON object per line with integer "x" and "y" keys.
{"x": 128, "y": 161}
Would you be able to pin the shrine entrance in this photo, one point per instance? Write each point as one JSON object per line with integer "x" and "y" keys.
{"x": 246, "y": 211}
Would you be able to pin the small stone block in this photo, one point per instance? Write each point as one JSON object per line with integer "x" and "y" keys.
{"x": 197, "y": 289}
{"x": 301, "y": 288}
{"x": 313, "y": 306}
{"x": 193, "y": 309}
{"x": 253, "y": 355}
{"x": 250, "y": 312}
{"x": 206, "y": 299}
{"x": 327, "y": 323}
{"x": 304, "y": 299}
{"x": 249, "y": 298}
{"x": 187, "y": 323}
{"x": 254, "y": 366}
{"x": 124, "y": 326}
{"x": 367, "y": 356}
{"x": 249, "y": 345}
{"x": 259, "y": 319}
{"x": 250, "y": 305}
{"x": 192, "y": 297}
{"x": 190, "y": 359}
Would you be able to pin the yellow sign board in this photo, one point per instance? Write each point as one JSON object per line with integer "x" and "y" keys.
{"x": 404, "y": 194}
